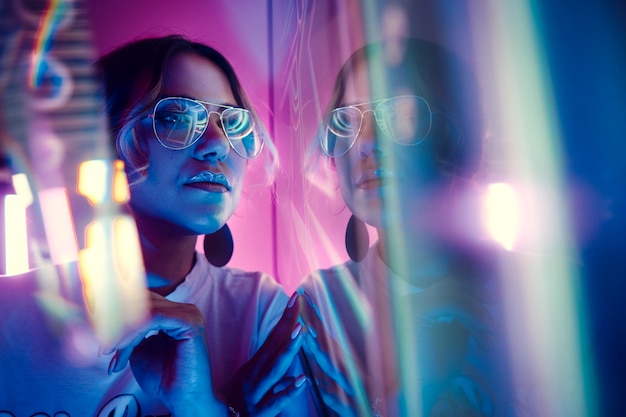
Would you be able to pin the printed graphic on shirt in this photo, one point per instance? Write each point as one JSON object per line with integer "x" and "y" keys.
{"x": 125, "y": 405}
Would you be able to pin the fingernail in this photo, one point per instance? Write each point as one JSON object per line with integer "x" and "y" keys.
{"x": 296, "y": 331}
{"x": 292, "y": 300}
{"x": 312, "y": 331}
{"x": 112, "y": 364}
{"x": 300, "y": 381}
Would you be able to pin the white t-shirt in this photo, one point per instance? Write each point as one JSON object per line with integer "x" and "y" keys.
{"x": 39, "y": 378}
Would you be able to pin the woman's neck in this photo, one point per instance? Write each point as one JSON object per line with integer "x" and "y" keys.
{"x": 167, "y": 257}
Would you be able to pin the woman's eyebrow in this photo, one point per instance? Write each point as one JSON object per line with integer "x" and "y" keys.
{"x": 211, "y": 101}
{"x": 353, "y": 103}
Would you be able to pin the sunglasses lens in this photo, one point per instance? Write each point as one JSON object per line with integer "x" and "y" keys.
{"x": 179, "y": 122}
{"x": 406, "y": 120}
{"x": 343, "y": 127}
{"x": 238, "y": 125}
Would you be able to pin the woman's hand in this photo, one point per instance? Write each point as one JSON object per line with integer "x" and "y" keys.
{"x": 262, "y": 386}
{"x": 172, "y": 364}
{"x": 326, "y": 361}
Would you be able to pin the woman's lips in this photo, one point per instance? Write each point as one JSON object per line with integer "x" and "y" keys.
{"x": 210, "y": 181}
{"x": 374, "y": 178}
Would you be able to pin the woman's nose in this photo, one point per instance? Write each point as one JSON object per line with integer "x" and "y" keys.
{"x": 213, "y": 144}
{"x": 367, "y": 142}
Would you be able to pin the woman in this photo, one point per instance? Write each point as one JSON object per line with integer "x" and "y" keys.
{"x": 406, "y": 323}
{"x": 213, "y": 342}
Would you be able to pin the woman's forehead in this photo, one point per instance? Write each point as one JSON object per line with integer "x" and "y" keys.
{"x": 363, "y": 85}
{"x": 194, "y": 76}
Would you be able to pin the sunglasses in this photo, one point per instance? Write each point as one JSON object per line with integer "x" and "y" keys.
{"x": 179, "y": 122}
{"x": 405, "y": 120}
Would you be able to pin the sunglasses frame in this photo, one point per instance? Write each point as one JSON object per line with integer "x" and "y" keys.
{"x": 378, "y": 103}
{"x": 209, "y": 112}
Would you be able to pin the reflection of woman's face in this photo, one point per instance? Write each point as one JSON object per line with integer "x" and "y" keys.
{"x": 172, "y": 193}
{"x": 377, "y": 172}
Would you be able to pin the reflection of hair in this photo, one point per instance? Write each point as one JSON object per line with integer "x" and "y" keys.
{"x": 444, "y": 80}
{"x": 133, "y": 77}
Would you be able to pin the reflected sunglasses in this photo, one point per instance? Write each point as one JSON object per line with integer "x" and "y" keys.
{"x": 178, "y": 123}
{"x": 405, "y": 120}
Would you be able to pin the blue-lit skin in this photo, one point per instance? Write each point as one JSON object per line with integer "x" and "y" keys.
{"x": 170, "y": 195}
{"x": 170, "y": 210}
{"x": 187, "y": 193}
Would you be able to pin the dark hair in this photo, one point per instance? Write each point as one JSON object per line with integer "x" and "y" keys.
{"x": 133, "y": 77}
{"x": 444, "y": 80}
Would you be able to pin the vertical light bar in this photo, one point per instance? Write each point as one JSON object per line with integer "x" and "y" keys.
{"x": 545, "y": 319}
{"x": 93, "y": 180}
{"x": 59, "y": 225}
{"x": 16, "y": 241}
{"x": 22, "y": 188}
{"x": 112, "y": 271}
{"x": 111, "y": 263}
{"x": 121, "y": 191}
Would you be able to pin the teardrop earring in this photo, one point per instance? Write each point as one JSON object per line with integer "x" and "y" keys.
{"x": 218, "y": 246}
{"x": 357, "y": 239}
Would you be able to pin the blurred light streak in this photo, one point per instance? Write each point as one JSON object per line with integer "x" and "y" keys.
{"x": 93, "y": 180}
{"x": 55, "y": 119}
{"x": 48, "y": 25}
{"x": 59, "y": 225}
{"x": 363, "y": 312}
{"x": 546, "y": 323}
{"x": 16, "y": 238}
{"x": 113, "y": 275}
{"x": 411, "y": 401}
{"x": 55, "y": 87}
{"x": 22, "y": 188}
{"x": 501, "y": 214}
{"x": 121, "y": 192}
{"x": 335, "y": 258}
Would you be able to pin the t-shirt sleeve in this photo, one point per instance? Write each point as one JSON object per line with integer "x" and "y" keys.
{"x": 272, "y": 303}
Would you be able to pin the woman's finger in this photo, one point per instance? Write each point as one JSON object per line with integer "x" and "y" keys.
{"x": 177, "y": 320}
{"x": 331, "y": 366}
{"x": 280, "y": 398}
{"x": 272, "y": 371}
{"x": 283, "y": 333}
{"x": 270, "y": 364}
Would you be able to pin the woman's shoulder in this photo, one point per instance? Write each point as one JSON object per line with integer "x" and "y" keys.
{"x": 341, "y": 283}
{"x": 329, "y": 276}
{"x": 229, "y": 282}
{"x": 349, "y": 273}
{"x": 238, "y": 278}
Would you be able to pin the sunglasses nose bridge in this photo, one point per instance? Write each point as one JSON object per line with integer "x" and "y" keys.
{"x": 213, "y": 136}
{"x": 367, "y": 140}
{"x": 217, "y": 123}
{"x": 369, "y": 125}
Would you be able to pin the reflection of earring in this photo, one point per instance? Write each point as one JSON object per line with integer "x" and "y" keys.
{"x": 357, "y": 239}
{"x": 218, "y": 246}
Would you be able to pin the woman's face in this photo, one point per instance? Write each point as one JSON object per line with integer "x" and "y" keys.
{"x": 381, "y": 181}
{"x": 193, "y": 190}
